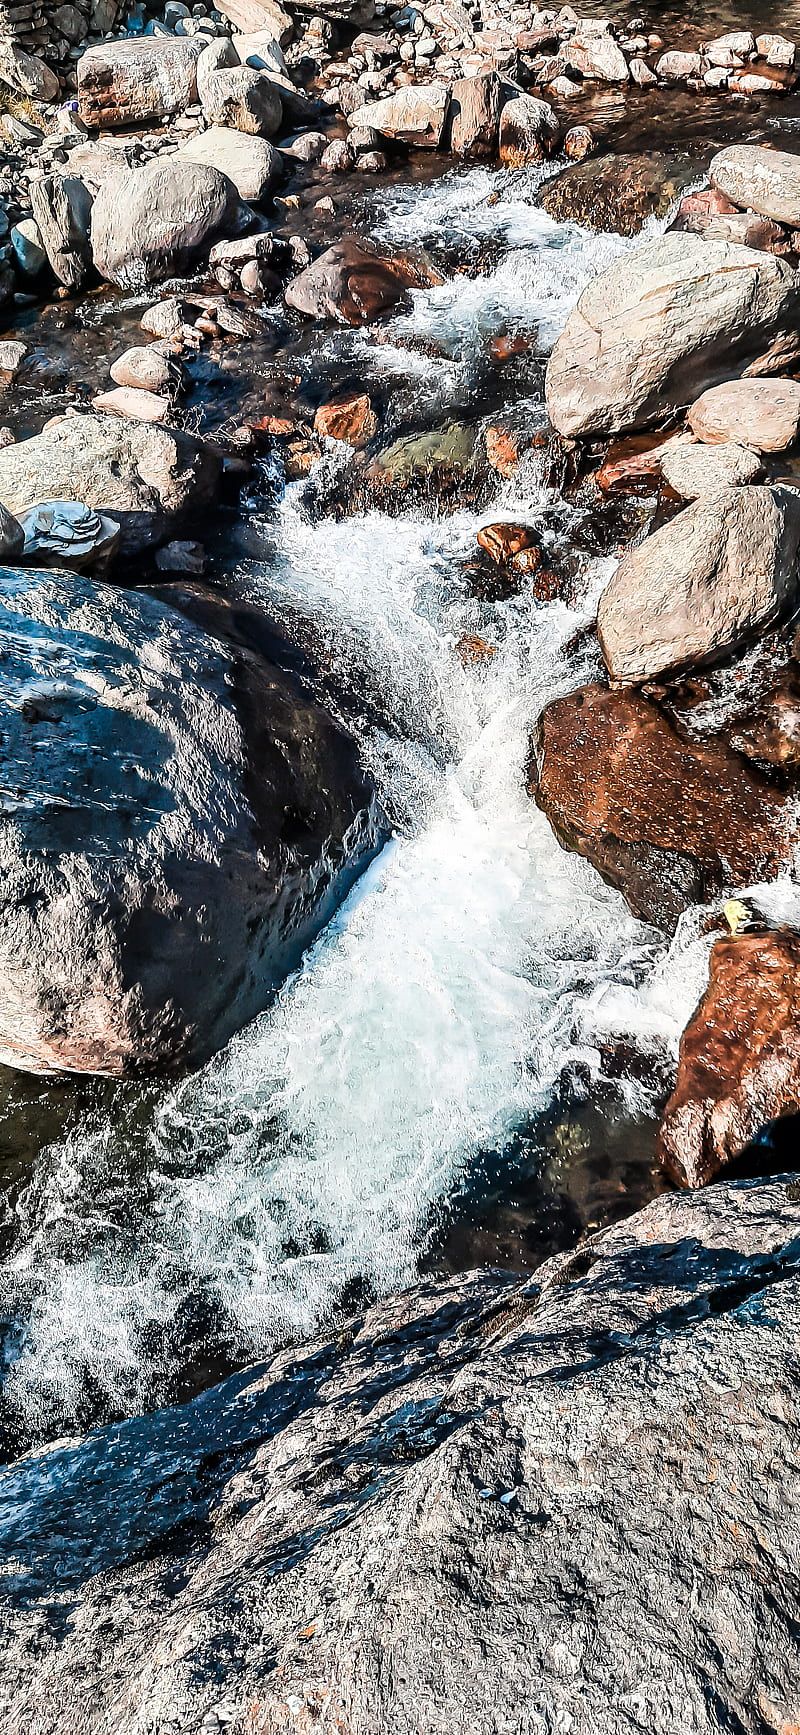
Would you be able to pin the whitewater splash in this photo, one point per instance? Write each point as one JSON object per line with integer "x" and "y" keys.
{"x": 473, "y": 966}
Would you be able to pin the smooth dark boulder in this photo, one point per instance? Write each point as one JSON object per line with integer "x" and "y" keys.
{"x": 567, "y": 1503}
{"x": 668, "y": 820}
{"x": 739, "y": 1064}
{"x": 178, "y": 821}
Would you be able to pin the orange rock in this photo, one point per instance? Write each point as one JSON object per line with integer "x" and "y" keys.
{"x": 504, "y": 347}
{"x": 739, "y": 1064}
{"x": 503, "y": 450}
{"x": 350, "y": 419}
{"x": 472, "y": 649}
{"x": 504, "y": 542}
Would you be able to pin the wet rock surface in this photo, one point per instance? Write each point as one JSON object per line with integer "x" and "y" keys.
{"x": 739, "y": 1065}
{"x": 462, "y": 1481}
{"x": 669, "y": 821}
{"x": 618, "y": 193}
{"x": 214, "y": 819}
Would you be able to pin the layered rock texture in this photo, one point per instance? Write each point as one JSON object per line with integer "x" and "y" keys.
{"x": 482, "y": 1506}
{"x": 679, "y": 314}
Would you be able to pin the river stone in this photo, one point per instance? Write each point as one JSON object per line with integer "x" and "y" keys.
{"x": 475, "y": 116}
{"x": 144, "y": 367}
{"x": 764, "y": 414}
{"x": 140, "y": 405}
{"x": 739, "y": 1064}
{"x": 353, "y": 283}
{"x": 668, "y": 821}
{"x": 238, "y": 97}
{"x": 415, "y": 114}
{"x": 259, "y": 17}
{"x": 252, "y": 164}
{"x": 154, "y": 222}
{"x": 64, "y": 533}
{"x": 702, "y": 584}
{"x": 760, "y": 180}
{"x": 138, "y": 79}
{"x": 148, "y": 478}
{"x": 566, "y": 1503}
{"x": 62, "y": 207}
{"x": 664, "y": 322}
{"x": 618, "y": 193}
{"x": 183, "y": 821}
{"x": 27, "y": 73}
{"x": 595, "y": 54}
{"x": 528, "y": 131}
{"x": 695, "y": 470}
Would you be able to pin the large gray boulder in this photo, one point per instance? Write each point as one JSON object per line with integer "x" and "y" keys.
{"x": 662, "y": 323}
{"x": 179, "y": 821}
{"x": 760, "y": 180}
{"x": 148, "y": 478}
{"x": 155, "y": 220}
{"x": 138, "y": 79}
{"x": 722, "y": 571}
{"x": 563, "y": 1504}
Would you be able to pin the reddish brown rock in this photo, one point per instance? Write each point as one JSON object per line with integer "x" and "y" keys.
{"x": 353, "y": 283}
{"x": 510, "y": 543}
{"x": 504, "y": 449}
{"x": 669, "y": 821}
{"x": 633, "y": 463}
{"x": 350, "y": 419}
{"x": 475, "y": 116}
{"x": 739, "y": 1063}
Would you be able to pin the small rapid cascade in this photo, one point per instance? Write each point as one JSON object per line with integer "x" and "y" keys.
{"x": 473, "y": 966}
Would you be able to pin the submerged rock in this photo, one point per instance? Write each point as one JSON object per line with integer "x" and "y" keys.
{"x": 670, "y": 821}
{"x": 662, "y": 323}
{"x": 354, "y": 283}
{"x": 146, "y": 477}
{"x": 739, "y": 1064}
{"x": 476, "y": 1507}
{"x": 618, "y": 193}
{"x": 182, "y": 821}
{"x": 726, "y": 568}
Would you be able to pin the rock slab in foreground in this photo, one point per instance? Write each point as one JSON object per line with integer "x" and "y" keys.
{"x": 178, "y": 822}
{"x": 562, "y": 1504}
{"x": 668, "y": 821}
{"x": 148, "y": 478}
{"x": 722, "y": 571}
{"x": 663, "y": 323}
{"x": 739, "y": 1061}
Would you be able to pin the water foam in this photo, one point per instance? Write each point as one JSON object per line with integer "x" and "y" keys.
{"x": 472, "y": 967}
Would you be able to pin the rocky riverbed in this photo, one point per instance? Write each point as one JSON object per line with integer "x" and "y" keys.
{"x": 400, "y": 541}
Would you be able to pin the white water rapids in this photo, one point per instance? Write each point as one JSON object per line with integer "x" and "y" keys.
{"x": 472, "y": 966}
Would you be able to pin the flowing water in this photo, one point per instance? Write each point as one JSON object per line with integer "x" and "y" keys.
{"x": 444, "y": 1047}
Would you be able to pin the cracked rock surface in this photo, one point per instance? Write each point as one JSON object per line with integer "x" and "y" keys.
{"x": 559, "y": 1505}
